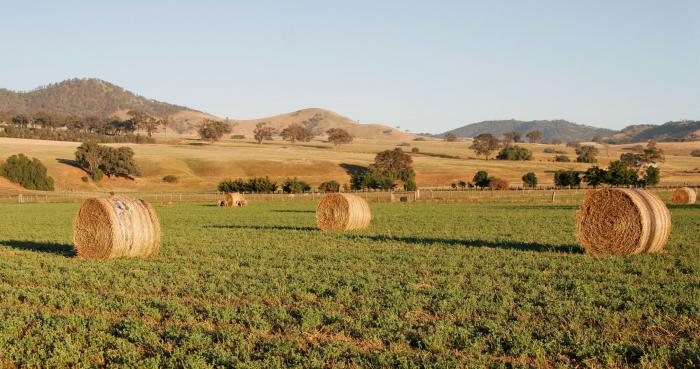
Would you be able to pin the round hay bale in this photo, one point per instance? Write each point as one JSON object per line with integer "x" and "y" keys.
{"x": 342, "y": 212}
{"x": 116, "y": 227}
{"x": 623, "y": 221}
{"x": 221, "y": 203}
{"x": 684, "y": 196}
{"x": 235, "y": 199}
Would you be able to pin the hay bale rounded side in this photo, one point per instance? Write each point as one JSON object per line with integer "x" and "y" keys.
{"x": 235, "y": 199}
{"x": 623, "y": 221}
{"x": 684, "y": 196}
{"x": 116, "y": 227}
{"x": 342, "y": 212}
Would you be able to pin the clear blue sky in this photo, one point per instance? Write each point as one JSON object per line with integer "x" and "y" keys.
{"x": 421, "y": 65}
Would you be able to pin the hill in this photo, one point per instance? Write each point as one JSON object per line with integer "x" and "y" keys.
{"x": 319, "y": 121}
{"x": 551, "y": 129}
{"x": 670, "y": 131}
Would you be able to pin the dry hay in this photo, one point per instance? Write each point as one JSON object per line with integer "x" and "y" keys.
{"x": 116, "y": 227}
{"x": 342, "y": 212}
{"x": 623, "y": 221}
{"x": 235, "y": 199}
{"x": 684, "y": 196}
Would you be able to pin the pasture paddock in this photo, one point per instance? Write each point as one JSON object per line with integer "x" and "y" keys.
{"x": 428, "y": 284}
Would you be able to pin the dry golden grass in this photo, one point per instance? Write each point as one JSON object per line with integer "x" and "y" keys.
{"x": 201, "y": 166}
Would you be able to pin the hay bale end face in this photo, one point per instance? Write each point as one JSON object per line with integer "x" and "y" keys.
{"x": 684, "y": 196}
{"x": 235, "y": 199}
{"x": 623, "y": 222}
{"x": 343, "y": 212}
{"x": 116, "y": 227}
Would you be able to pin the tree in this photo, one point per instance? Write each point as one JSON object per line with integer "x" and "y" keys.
{"x": 30, "y": 174}
{"x": 530, "y": 179}
{"x": 595, "y": 176}
{"x": 165, "y": 122}
{"x": 397, "y": 163}
{"x": 485, "y": 144}
{"x": 562, "y": 158}
{"x": 21, "y": 121}
{"x": 652, "y": 177}
{"x": 263, "y": 132}
{"x": 296, "y": 132}
{"x": 586, "y": 154}
{"x": 372, "y": 179}
{"x": 653, "y": 154}
{"x": 339, "y": 136}
{"x": 512, "y": 136}
{"x": 514, "y": 152}
{"x": 213, "y": 130}
{"x": 620, "y": 174}
{"x": 482, "y": 179}
{"x": 98, "y": 160}
{"x": 534, "y": 136}
{"x": 567, "y": 178}
{"x": 450, "y": 137}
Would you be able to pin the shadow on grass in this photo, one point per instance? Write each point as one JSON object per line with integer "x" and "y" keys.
{"x": 512, "y": 245}
{"x": 294, "y": 211}
{"x": 48, "y": 247}
{"x": 259, "y": 227}
{"x": 689, "y": 206}
{"x": 539, "y": 207}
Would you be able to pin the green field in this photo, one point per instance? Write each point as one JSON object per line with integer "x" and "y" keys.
{"x": 428, "y": 285}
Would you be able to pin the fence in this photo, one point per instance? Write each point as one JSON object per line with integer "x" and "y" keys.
{"x": 539, "y": 195}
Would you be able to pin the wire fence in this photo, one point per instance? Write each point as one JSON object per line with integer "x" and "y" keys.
{"x": 445, "y": 195}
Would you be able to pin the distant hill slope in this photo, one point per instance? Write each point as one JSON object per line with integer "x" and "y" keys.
{"x": 670, "y": 131}
{"x": 83, "y": 97}
{"x": 319, "y": 121}
{"x": 551, "y": 129}
{"x": 95, "y": 97}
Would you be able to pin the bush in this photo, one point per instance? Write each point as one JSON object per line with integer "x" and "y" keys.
{"x": 482, "y": 179}
{"x": 30, "y": 174}
{"x": 294, "y": 185}
{"x": 530, "y": 179}
{"x": 514, "y": 152}
{"x": 238, "y": 137}
{"x": 562, "y": 158}
{"x": 695, "y": 153}
{"x": 171, "y": 179}
{"x": 410, "y": 185}
{"x": 329, "y": 186}
{"x": 85, "y": 179}
{"x": 419, "y": 139}
{"x": 373, "y": 180}
{"x": 586, "y": 154}
{"x": 499, "y": 184}
{"x": 415, "y": 150}
{"x": 404, "y": 144}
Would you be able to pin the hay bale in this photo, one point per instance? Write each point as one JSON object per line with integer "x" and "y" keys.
{"x": 684, "y": 196}
{"x": 342, "y": 212}
{"x": 221, "y": 203}
{"x": 116, "y": 227}
{"x": 623, "y": 221}
{"x": 235, "y": 199}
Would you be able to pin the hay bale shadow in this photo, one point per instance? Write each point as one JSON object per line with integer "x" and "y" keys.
{"x": 259, "y": 227}
{"x": 48, "y": 247}
{"x": 294, "y": 211}
{"x": 475, "y": 243}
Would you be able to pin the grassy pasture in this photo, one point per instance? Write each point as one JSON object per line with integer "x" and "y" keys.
{"x": 432, "y": 285}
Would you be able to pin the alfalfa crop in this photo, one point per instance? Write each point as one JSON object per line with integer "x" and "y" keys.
{"x": 116, "y": 227}
{"x": 684, "y": 196}
{"x": 342, "y": 212}
{"x": 235, "y": 199}
{"x": 623, "y": 221}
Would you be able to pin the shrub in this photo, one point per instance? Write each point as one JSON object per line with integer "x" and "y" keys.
{"x": 514, "y": 152}
{"x": 30, "y": 174}
{"x": 482, "y": 179}
{"x": 294, "y": 185}
{"x": 562, "y": 158}
{"x": 530, "y": 179}
{"x": 171, "y": 179}
{"x": 234, "y": 185}
{"x": 410, "y": 185}
{"x": 586, "y": 154}
{"x": 499, "y": 184}
{"x": 404, "y": 144}
{"x": 551, "y": 150}
{"x": 415, "y": 150}
{"x": 695, "y": 153}
{"x": 238, "y": 137}
{"x": 373, "y": 180}
{"x": 329, "y": 186}
{"x": 419, "y": 139}
{"x": 84, "y": 179}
